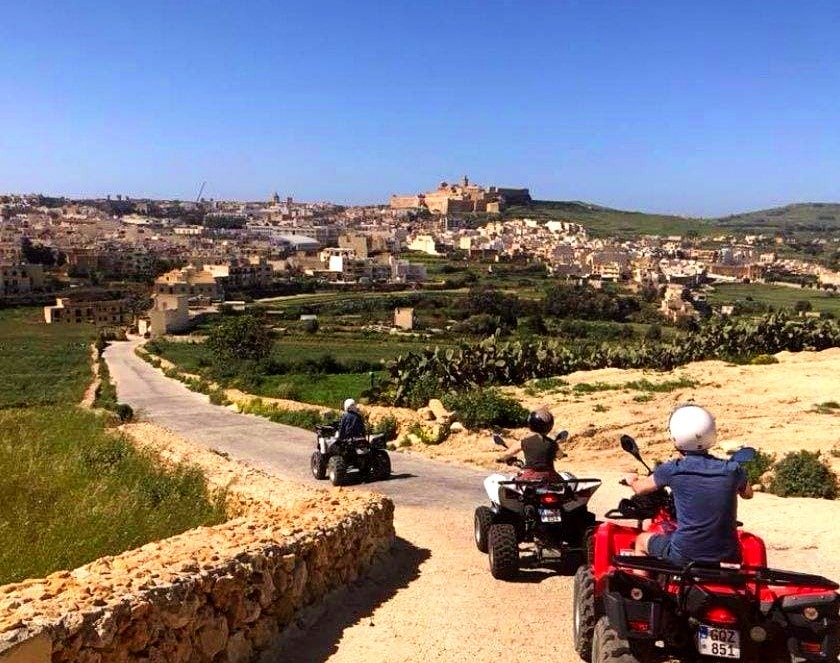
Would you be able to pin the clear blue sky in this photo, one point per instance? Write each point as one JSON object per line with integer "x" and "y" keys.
{"x": 694, "y": 107}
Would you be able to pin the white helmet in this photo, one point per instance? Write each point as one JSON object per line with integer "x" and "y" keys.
{"x": 349, "y": 405}
{"x": 692, "y": 428}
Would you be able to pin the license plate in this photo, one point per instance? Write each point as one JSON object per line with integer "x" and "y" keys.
{"x": 551, "y": 515}
{"x": 720, "y": 642}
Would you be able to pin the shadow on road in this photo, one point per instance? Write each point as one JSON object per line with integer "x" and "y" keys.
{"x": 317, "y": 642}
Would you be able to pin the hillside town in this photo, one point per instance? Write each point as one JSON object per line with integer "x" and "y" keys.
{"x": 187, "y": 256}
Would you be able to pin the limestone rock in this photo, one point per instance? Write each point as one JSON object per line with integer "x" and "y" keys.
{"x": 457, "y": 427}
{"x": 425, "y": 414}
{"x": 440, "y": 412}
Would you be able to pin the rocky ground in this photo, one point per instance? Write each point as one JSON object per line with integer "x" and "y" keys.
{"x": 772, "y": 407}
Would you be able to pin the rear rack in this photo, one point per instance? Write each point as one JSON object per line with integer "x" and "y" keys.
{"x": 547, "y": 482}
{"x": 724, "y": 573}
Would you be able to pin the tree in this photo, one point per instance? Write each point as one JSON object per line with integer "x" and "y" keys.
{"x": 802, "y": 305}
{"x": 239, "y": 338}
{"x": 37, "y": 254}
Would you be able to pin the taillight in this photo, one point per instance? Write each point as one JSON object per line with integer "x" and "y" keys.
{"x": 549, "y": 499}
{"x": 811, "y": 647}
{"x": 720, "y": 616}
{"x": 638, "y": 626}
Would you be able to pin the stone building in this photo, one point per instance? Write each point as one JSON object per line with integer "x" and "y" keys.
{"x": 404, "y": 318}
{"x": 191, "y": 281}
{"x": 20, "y": 278}
{"x": 169, "y": 314}
{"x": 97, "y": 312}
{"x": 461, "y": 198}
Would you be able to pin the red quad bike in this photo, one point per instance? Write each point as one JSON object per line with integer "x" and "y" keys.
{"x": 632, "y": 609}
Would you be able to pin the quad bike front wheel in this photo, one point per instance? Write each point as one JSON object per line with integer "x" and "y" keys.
{"x": 380, "y": 466}
{"x": 483, "y": 520}
{"x": 337, "y": 471}
{"x": 583, "y": 612}
{"x": 609, "y": 647}
{"x": 318, "y": 465}
{"x": 503, "y": 550}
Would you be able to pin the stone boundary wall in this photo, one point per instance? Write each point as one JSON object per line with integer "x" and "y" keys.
{"x": 221, "y": 593}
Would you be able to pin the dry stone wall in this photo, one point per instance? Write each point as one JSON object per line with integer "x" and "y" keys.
{"x": 220, "y": 593}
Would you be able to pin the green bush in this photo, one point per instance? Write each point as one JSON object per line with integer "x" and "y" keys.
{"x": 386, "y": 426}
{"x": 306, "y": 418}
{"x": 762, "y": 462}
{"x": 218, "y": 397}
{"x": 486, "y": 408}
{"x": 124, "y": 412}
{"x": 286, "y": 390}
{"x": 763, "y": 359}
{"x": 804, "y": 474}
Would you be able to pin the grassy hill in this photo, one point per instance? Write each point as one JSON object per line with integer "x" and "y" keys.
{"x": 800, "y": 217}
{"x": 803, "y": 218}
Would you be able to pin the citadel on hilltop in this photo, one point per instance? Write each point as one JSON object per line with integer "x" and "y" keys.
{"x": 463, "y": 198}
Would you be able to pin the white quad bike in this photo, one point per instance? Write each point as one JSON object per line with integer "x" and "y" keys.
{"x": 551, "y": 515}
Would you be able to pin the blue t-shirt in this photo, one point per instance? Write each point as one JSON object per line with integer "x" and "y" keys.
{"x": 705, "y": 492}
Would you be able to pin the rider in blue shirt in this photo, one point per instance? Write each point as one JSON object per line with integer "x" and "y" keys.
{"x": 705, "y": 491}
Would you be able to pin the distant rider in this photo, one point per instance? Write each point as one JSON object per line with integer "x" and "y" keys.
{"x": 351, "y": 426}
{"x": 540, "y": 451}
{"x": 705, "y": 491}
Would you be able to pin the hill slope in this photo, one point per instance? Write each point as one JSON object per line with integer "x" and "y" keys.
{"x": 803, "y": 218}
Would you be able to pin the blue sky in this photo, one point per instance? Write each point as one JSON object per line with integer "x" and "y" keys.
{"x": 687, "y": 107}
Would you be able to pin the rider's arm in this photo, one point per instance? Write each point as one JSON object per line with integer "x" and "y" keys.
{"x": 510, "y": 453}
{"x": 642, "y": 485}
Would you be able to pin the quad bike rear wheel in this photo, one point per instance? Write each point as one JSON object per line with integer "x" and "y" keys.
{"x": 318, "y": 465}
{"x": 503, "y": 550}
{"x": 609, "y": 647}
{"x": 380, "y": 466}
{"x": 584, "y": 615}
{"x": 483, "y": 520}
{"x": 337, "y": 470}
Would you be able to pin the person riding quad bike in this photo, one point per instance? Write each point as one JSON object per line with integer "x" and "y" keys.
{"x": 705, "y": 490}
{"x": 351, "y": 425}
{"x": 540, "y": 451}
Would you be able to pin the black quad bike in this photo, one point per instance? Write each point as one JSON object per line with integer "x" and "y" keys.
{"x": 552, "y": 515}
{"x": 363, "y": 458}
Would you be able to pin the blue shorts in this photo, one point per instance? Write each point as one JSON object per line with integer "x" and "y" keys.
{"x": 659, "y": 545}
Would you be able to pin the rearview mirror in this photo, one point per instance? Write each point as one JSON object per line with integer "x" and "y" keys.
{"x": 629, "y": 445}
{"x": 744, "y": 455}
{"x": 562, "y": 436}
{"x": 497, "y": 439}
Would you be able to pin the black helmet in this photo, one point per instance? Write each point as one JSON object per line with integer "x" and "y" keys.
{"x": 541, "y": 421}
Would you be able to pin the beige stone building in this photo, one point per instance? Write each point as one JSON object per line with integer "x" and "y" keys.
{"x": 102, "y": 313}
{"x": 404, "y": 318}
{"x": 191, "y": 281}
{"x": 461, "y": 198}
{"x": 169, "y": 315}
{"x": 20, "y": 279}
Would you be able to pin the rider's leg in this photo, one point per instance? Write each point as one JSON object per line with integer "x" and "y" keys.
{"x": 641, "y": 545}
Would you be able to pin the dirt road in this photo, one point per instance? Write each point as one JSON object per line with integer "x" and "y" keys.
{"x": 436, "y": 600}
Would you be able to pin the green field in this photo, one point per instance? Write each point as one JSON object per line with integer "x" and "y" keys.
{"x": 41, "y": 363}
{"x": 71, "y": 489}
{"x": 776, "y": 296}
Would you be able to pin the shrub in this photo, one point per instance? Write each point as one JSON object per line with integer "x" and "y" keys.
{"x": 218, "y": 397}
{"x": 124, "y": 412}
{"x": 763, "y": 359}
{"x": 485, "y": 408}
{"x": 803, "y": 474}
{"x": 762, "y": 462}
{"x": 306, "y": 418}
{"x": 386, "y": 426}
{"x": 287, "y": 391}
{"x": 239, "y": 338}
